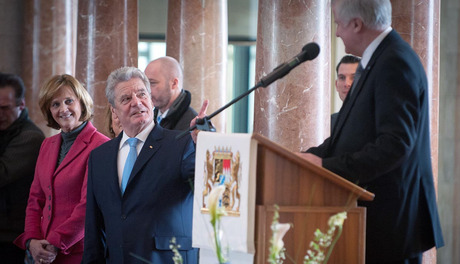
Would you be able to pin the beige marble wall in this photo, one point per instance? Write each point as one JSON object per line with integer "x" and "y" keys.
{"x": 197, "y": 37}
{"x": 293, "y": 111}
{"x": 107, "y": 40}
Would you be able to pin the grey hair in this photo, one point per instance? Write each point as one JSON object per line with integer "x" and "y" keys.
{"x": 376, "y": 14}
{"x": 123, "y": 74}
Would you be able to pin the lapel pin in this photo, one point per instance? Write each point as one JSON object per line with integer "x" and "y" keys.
{"x": 150, "y": 147}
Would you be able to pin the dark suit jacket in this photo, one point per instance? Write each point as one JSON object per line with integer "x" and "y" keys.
{"x": 381, "y": 141}
{"x": 333, "y": 120}
{"x": 156, "y": 206}
{"x": 19, "y": 147}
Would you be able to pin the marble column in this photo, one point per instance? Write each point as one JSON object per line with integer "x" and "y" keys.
{"x": 293, "y": 111}
{"x": 107, "y": 39}
{"x": 418, "y": 24}
{"x": 197, "y": 37}
{"x": 49, "y": 48}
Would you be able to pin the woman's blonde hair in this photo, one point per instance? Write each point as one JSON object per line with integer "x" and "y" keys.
{"x": 51, "y": 88}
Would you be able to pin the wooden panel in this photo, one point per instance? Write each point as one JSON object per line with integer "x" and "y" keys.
{"x": 287, "y": 179}
{"x": 350, "y": 248}
{"x": 307, "y": 196}
{"x": 286, "y": 182}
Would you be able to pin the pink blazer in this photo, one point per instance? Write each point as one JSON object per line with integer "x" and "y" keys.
{"x": 57, "y": 199}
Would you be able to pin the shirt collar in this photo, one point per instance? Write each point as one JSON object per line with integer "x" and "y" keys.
{"x": 142, "y": 136}
{"x": 373, "y": 46}
{"x": 163, "y": 115}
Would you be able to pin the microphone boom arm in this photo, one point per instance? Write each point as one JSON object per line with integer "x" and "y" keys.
{"x": 205, "y": 122}
{"x": 309, "y": 52}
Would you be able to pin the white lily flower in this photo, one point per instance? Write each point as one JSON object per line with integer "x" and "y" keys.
{"x": 216, "y": 213}
{"x": 213, "y": 201}
{"x": 279, "y": 232}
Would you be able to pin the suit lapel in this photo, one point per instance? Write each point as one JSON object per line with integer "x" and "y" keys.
{"x": 112, "y": 159}
{"x": 351, "y": 98}
{"x": 81, "y": 142}
{"x": 151, "y": 146}
{"x": 349, "y": 103}
{"x": 53, "y": 154}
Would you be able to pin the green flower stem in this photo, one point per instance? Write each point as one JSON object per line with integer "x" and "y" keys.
{"x": 218, "y": 245}
{"x": 331, "y": 247}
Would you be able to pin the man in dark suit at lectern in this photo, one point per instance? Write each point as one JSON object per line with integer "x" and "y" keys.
{"x": 382, "y": 137}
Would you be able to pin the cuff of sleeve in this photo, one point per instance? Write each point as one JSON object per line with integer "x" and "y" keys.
{"x": 28, "y": 244}
{"x": 55, "y": 240}
{"x": 21, "y": 240}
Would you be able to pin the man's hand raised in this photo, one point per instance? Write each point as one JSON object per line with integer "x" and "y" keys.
{"x": 201, "y": 114}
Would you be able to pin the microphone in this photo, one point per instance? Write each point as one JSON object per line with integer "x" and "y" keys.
{"x": 309, "y": 52}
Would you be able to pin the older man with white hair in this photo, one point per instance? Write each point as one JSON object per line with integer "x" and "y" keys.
{"x": 382, "y": 137}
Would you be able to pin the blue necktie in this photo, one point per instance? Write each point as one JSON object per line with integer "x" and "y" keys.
{"x": 130, "y": 160}
{"x": 159, "y": 117}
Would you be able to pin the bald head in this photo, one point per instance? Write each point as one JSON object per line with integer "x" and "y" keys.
{"x": 166, "y": 78}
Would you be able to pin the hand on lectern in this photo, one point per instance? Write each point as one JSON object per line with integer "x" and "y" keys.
{"x": 201, "y": 114}
{"x": 311, "y": 158}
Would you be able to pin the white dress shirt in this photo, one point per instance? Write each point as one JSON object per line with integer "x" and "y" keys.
{"x": 123, "y": 149}
{"x": 367, "y": 54}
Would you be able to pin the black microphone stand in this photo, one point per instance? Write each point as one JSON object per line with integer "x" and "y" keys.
{"x": 204, "y": 123}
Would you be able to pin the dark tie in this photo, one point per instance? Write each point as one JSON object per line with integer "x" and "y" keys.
{"x": 130, "y": 160}
{"x": 358, "y": 72}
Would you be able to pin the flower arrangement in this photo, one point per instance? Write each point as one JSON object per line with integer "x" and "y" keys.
{"x": 325, "y": 241}
{"x": 216, "y": 212}
{"x": 319, "y": 245}
{"x": 277, "y": 250}
{"x": 322, "y": 242}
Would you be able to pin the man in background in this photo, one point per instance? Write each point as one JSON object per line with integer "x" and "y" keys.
{"x": 345, "y": 69}
{"x": 20, "y": 141}
{"x": 171, "y": 101}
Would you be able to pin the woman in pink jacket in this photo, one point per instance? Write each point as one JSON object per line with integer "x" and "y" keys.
{"x": 55, "y": 214}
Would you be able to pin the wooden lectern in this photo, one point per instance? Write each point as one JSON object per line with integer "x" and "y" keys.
{"x": 307, "y": 195}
